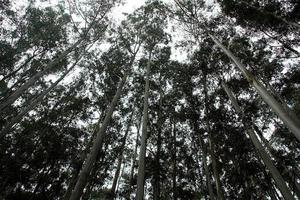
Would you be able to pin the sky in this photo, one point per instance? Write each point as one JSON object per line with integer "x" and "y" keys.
{"x": 177, "y": 35}
{"x": 128, "y": 7}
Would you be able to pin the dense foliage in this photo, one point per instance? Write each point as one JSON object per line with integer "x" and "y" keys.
{"x": 94, "y": 108}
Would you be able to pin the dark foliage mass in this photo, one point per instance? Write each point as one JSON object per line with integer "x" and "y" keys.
{"x": 91, "y": 108}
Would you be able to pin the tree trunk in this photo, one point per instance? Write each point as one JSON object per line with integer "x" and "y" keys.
{"x": 119, "y": 178}
{"x": 174, "y": 173}
{"x": 292, "y": 123}
{"x": 156, "y": 186}
{"x": 134, "y": 159}
{"x": 216, "y": 174}
{"x": 35, "y": 102}
{"x": 73, "y": 181}
{"x": 90, "y": 183}
{"x": 90, "y": 160}
{"x": 20, "y": 67}
{"x": 206, "y": 170}
{"x": 16, "y": 94}
{"x": 120, "y": 156}
{"x": 195, "y": 151}
{"x": 286, "y": 173}
{"x": 141, "y": 169}
{"x": 71, "y": 184}
{"x": 280, "y": 183}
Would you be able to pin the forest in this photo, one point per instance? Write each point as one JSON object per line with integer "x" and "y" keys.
{"x": 149, "y": 99}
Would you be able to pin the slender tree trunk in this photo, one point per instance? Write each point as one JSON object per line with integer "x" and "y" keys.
{"x": 134, "y": 158}
{"x": 119, "y": 179}
{"x": 73, "y": 181}
{"x": 156, "y": 187}
{"x": 280, "y": 183}
{"x": 220, "y": 192}
{"x": 91, "y": 158}
{"x": 292, "y": 123}
{"x": 142, "y": 155}
{"x": 120, "y": 156}
{"x": 34, "y": 102}
{"x": 201, "y": 173}
{"x": 71, "y": 184}
{"x": 90, "y": 183}
{"x": 203, "y": 148}
{"x": 16, "y": 94}
{"x": 91, "y": 179}
{"x": 206, "y": 170}
{"x": 204, "y": 161}
{"x": 174, "y": 173}
{"x": 19, "y": 68}
{"x": 286, "y": 173}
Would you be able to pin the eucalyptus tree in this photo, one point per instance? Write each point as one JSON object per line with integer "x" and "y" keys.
{"x": 272, "y": 15}
{"x": 161, "y": 69}
{"x": 282, "y": 186}
{"x": 189, "y": 13}
{"x": 154, "y": 34}
{"x": 37, "y": 100}
{"x": 46, "y": 154}
{"x": 130, "y": 44}
{"x": 97, "y": 16}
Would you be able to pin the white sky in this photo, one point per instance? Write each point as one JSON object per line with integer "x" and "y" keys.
{"x": 128, "y": 7}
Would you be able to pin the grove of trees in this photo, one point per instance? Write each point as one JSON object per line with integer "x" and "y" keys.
{"x": 180, "y": 99}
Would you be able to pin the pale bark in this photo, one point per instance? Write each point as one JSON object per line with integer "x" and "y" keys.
{"x": 34, "y": 102}
{"x": 77, "y": 168}
{"x": 134, "y": 158}
{"x": 286, "y": 173}
{"x": 120, "y": 156}
{"x": 206, "y": 170}
{"x": 204, "y": 160}
{"x": 91, "y": 158}
{"x": 16, "y": 94}
{"x": 19, "y": 68}
{"x": 216, "y": 174}
{"x": 280, "y": 183}
{"x": 292, "y": 123}
{"x": 119, "y": 179}
{"x": 203, "y": 148}
{"x": 156, "y": 176}
{"x": 142, "y": 155}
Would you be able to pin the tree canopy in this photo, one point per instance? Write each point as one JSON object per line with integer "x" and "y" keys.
{"x": 176, "y": 99}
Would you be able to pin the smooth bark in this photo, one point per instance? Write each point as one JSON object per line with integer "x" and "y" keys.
{"x": 120, "y": 156}
{"x": 280, "y": 183}
{"x": 134, "y": 158}
{"x": 156, "y": 184}
{"x": 142, "y": 154}
{"x": 16, "y": 94}
{"x": 220, "y": 192}
{"x": 35, "y": 102}
{"x": 289, "y": 120}
{"x": 286, "y": 173}
{"x": 91, "y": 158}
